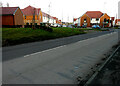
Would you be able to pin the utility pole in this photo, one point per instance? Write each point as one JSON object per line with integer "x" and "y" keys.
{"x": 7, "y": 4}
{"x": 1, "y": 4}
{"x": 49, "y": 13}
{"x": 62, "y": 18}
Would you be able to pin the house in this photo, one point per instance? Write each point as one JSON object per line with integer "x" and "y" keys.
{"x": 11, "y": 17}
{"x": 46, "y": 18}
{"x": 111, "y": 21}
{"x": 117, "y": 22}
{"x": 32, "y": 15}
{"x": 75, "y": 21}
{"x": 59, "y": 22}
{"x": 95, "y": 17}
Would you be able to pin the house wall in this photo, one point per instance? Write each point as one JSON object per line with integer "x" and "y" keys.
{"x": 93, "y": 20}
{"x": 82, "y": 20}
{"x": 18, "y": 17}
{"x": 118, "y": 23}
{"x": 8, "y": 20}
{"x": 102, "y": 20}
{"x": 44, "y": 19}
{"x": 29, "y": 19}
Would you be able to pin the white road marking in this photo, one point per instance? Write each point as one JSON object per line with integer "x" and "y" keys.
{"x": 67, "y": 44}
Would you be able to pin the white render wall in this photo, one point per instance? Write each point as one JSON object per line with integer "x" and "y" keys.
{"x": 94, "y": 20}
{"x": 45, "y": 19}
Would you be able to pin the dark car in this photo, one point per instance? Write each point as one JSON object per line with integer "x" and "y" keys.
{"x": 119, "y": 27}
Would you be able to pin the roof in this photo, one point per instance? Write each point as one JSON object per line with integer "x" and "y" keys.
{"x": 94, "y": 14}
{"x": 8, "y": 10}
{"x": 45, "y": 14}
{"x": 75, "y": 19}
{"x": 30, "y": 10}
{"x": 51, "y": 17}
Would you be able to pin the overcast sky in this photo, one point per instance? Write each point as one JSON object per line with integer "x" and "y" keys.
{"x": 68, "y": 9}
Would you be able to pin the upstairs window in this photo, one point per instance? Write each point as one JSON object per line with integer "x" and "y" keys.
{"x": 105, "y": 20}
{"x": 97, "y": 19}
{"x": 108, "y": 21}
{"x": 25, "y": 16}
{"x": 37, "y": 17}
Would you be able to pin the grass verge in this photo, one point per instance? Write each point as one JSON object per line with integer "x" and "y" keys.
{"x": 13, "y": 36}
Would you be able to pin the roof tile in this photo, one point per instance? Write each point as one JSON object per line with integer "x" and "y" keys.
{"x": 8, "y": 10}
{"x": 94, "y": 14}
{"x": 30, "y": 10}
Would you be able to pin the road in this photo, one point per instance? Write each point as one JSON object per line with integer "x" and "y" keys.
{"x": 28, "y": 48}
{"x": 58, "y": 65}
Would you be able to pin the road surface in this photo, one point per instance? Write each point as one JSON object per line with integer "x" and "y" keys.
{"x": 28, "y": 48}
{"x": 58, "y": 65}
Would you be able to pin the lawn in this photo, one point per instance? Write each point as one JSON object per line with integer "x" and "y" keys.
{"x": 13, "y": 36}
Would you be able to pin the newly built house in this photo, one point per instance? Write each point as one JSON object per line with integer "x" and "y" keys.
{"x": 35, "y": 15}
{"x": 117, "y": 22}
{"x": 95, "y": 18}
{"x": 32, "y": 15}
{"x": 11, "y": 17}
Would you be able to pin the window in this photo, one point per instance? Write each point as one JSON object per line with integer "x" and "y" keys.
{"x": 35, "y": 24}
{"x": 85, "y": 20}
{"x": 27, "y": 23}
{"x": 105, "y": 20}
{"x": 108, "y": 21}
{"x": 25, "y": 16}
{"x": 37, "y": 17}
{"x": 97, "y": 19}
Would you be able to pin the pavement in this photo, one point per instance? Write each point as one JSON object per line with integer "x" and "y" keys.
{"x": 58, "y": 65}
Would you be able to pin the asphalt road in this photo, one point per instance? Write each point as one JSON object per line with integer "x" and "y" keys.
{"x": 61, "y": 65}
{"x": 12, "y": 52}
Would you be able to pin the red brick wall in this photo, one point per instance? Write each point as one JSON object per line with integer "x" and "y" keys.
{"x": 82, "y": 20}
{"x": 7, "y": 20}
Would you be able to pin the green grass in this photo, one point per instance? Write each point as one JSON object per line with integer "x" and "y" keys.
{"x": 13, "y": 36}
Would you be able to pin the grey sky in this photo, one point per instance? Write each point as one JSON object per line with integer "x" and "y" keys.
{"x": 71, "y": 8}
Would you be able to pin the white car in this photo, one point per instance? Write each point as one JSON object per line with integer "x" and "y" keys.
{"x": 64, "y": 26}
{"x": 55, "y": 25}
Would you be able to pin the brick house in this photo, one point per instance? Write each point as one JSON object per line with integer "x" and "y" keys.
{"x": 11, "y": 17}
{"x": 117, "y": 22}
{"x": 28, "y": 15}
{"x": 95, "y": 17}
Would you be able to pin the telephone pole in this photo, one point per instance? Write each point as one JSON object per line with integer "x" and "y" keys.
{"x": 49, "y": 13}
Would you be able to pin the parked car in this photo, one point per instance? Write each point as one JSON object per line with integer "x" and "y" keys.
{"x": 119, "y": 27}
{"x": 84, "y": 26}
{"x": 96, "y": 27}
{"x": 58, "y": 25}
{"x": 55, "y": 25}
{"x": 70, "y": 26}
{"x": 64, "y": 26}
